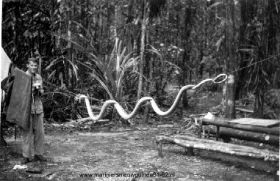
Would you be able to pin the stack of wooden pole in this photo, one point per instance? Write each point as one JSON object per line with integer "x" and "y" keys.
{"x": 228, "y": 129}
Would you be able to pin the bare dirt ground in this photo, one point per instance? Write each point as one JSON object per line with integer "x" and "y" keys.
{"x": 72, "y": 154}
{"x": 75, "y": 154}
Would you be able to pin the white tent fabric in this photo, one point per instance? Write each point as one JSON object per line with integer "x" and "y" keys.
{"x": 5, "y": 64}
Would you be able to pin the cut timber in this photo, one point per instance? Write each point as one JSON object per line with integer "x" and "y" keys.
{"x": 244, "y": 110}
{"x": 246, "y": 135}
{"x": 226, "y": 123}
{"x": 249, "y": 136}
{"x": 210, "y": 145}
{"x": 257, "y": 122}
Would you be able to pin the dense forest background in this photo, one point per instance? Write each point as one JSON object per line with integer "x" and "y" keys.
{"x": 127, "y": 49}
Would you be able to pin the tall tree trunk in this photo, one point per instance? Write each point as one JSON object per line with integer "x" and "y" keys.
{"x": 189, "y": 14}
{"x": 246, "y": 15}
{"x": 142, "y": 49}
{"x": 67, "y": 68}
{"x": 229, "y": 97}
{"x": 229, "y": 89}
{"x": 259, "y": 103}
{"x": 117, "y": 19}
{"x": 130, "y": 11}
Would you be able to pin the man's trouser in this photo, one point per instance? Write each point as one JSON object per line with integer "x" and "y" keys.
{"x": 33, "y": 138}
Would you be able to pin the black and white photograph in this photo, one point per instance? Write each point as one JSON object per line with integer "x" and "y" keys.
{"x": 140, "y": 90}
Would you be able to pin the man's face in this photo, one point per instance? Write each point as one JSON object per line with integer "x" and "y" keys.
{"x": 32, "y": 67}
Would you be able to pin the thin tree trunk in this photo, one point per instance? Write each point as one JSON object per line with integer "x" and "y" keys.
{"x": 188, "y": 25}
{"x": 148, "y": 87}
{"x": 142, "y": 50}
{"x": 117, "y": 20}
{"x": 259, "y": 103}
{"x": 68, "y": 72}
{"x": 229, "y": 97}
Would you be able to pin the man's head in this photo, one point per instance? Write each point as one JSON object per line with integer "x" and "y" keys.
{"x": 32, "y": 65}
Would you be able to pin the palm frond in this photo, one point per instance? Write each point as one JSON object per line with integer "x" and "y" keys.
{"x": 74, "y": 67}
{"x": 53, "y": 62}
{"x": 103, "y": 84}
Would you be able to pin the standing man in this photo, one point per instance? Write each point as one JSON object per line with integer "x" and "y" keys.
{"x": 33, "y": 138}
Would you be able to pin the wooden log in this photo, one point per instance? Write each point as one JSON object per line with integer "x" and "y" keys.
{"x": 187, "y": 137}
{"x": 225, "y": 123}
{"x": 227, "y": 133}
{"x": 228, "y": 148}
{"x": 244, "y": 110}
{"x": 249, "y": 136}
